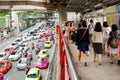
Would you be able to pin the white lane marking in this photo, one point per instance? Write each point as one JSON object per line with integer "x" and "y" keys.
{"x": 8, "y": 78}
{"x": 14, "y": 70}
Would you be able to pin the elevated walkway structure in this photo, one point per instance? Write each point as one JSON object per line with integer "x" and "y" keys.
{"x": 70, "y": 69}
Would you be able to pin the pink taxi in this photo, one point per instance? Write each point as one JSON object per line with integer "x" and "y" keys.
{"x": 42, "y": 63}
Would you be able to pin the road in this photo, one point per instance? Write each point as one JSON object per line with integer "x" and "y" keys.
{"x": 6, "y": 43}
{"x": 13, "y": 74}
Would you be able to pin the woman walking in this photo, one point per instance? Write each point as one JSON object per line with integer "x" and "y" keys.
{"x": 67, "y": 31}
{"x": 82, "y": 40}
{"x": 97, "y": 39}
{"x": 113, "y": 34}
{"x": 106, "y": 31}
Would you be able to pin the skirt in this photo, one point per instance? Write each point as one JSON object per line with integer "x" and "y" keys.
{"x": 83, "y": 46}
{"x": 113, "y": 50}
{"x": 97, "y": 48}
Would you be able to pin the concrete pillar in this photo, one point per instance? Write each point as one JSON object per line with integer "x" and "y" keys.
{"x": 62, "y": 14}
{"x": 104, "y": 13}
{"x": 15, "y": 22}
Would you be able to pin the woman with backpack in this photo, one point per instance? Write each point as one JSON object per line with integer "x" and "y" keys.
{"x": 113, "y": 42}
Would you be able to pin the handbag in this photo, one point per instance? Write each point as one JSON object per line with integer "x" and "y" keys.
{"x": 88, "y": 53}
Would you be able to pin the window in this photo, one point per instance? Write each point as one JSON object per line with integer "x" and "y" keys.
{"x": 32, "y": 75}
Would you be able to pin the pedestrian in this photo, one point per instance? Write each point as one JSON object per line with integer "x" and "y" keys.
{"x": 91, "y": 29}
{"x": 32, "y": 46}
{"x": 73, "y": 32}
{"x": 97, "y": 38}
{"x": 82, "y": 40}
{"x": 106, "y": 31}
{"x": 27, "y": 68}
{"x": 113, "y": 34}
{"x": 67, "y": 31}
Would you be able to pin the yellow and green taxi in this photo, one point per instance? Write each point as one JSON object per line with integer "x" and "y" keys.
{"x": 33, "y": 74}
{"x": 43, "y": 53}
{"x": 47, "y": 44}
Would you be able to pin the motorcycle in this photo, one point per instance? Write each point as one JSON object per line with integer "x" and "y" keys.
{"x": 31, "y": 57}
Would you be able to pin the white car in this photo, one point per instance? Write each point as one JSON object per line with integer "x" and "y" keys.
{"x": 3, "y": 56}
{"x": 36, "y": 36}
{"x": 15, "y": 56}
{"x": 24, "y": 46}
{"x": 19, "y": 41}
{"x": 22, "y": 63}
{"x": 14, "y": 45}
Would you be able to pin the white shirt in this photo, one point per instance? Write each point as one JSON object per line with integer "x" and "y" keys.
{"x": 91, "y": 28}
{"x": 97, "y": 37}
{"x": 106, "y": 31}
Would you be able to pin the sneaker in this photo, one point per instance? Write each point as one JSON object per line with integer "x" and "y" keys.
{"x": 85, "y": 64}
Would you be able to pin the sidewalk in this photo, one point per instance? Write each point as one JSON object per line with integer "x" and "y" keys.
{"x": 7, "y": 42}
{"x": 93, "y": 71}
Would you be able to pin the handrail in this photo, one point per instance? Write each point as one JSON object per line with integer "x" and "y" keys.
{"x": 71, "y": 64}
{"x": 66, "y": 62}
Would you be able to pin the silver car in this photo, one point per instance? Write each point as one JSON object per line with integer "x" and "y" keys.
{"x": 23, "y": 62}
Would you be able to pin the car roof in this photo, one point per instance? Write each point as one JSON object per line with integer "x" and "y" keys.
{"x": 33, "y": 70}
{"x": 43, "y": 50}
{"x": 24, "y": 58}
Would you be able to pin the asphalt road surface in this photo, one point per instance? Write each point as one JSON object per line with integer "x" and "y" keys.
{"x": 13, "y": 74}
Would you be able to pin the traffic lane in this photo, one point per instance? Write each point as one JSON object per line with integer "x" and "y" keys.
{"x": 20, "y": 75}
{"x": 7, "y": 43}
{"x": 14, "y": 74}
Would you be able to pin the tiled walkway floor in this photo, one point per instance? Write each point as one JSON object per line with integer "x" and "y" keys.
{"x": 93, "y": 71}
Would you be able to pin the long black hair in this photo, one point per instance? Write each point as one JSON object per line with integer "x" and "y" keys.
{"x": 98, "y": 27}
{"x": 114, "y": 27}
{"x": 105, "y": 24}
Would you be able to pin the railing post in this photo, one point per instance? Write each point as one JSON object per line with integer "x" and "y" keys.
{"x": 62, "y": 74}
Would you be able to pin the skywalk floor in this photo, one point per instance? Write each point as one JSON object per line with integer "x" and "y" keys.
{"x": 93, "y": 71}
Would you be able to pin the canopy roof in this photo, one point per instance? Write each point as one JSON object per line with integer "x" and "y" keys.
{"x": 70, "y": 5}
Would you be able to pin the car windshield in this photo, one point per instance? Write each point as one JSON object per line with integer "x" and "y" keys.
{"x": 18, "y": 40}
{"x": 13, "y": 44}
{"x": 22, "y": 61}
{"x": 13, "y": 53}
{"x": 1, "y": 55}
{"x": 47, "y": 43}
{"x": 22, "y": 45}
{"x": 42, "y": 60}
{"x": 32, "y": 75}
{"x": 43, "y": 52}
{"x": 2, "y": 64}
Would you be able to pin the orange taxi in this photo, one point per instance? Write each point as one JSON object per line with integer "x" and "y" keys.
{"x": 5, "y": 65}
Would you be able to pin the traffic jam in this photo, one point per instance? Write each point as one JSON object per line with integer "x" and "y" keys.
{"x": 27, "y": 56}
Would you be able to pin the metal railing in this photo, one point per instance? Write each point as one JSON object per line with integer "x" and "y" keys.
{"x": 67, "y": 69}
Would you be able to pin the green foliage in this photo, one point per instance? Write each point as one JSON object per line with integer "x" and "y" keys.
{"x": 2, "y": 18}
{"x": 37, "y": 14}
